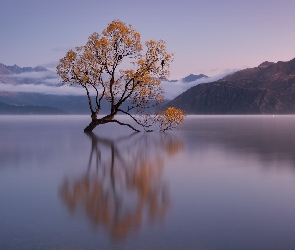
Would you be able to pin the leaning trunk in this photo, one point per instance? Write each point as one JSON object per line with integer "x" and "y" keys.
{"x": 91, "y": 126}
{"x": 95, "y": 122}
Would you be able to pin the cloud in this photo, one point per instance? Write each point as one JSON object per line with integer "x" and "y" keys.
{"x": 42, "y": 88}
{"x": 52, "y": 81}
{"x": 173, "y": 89}
{"x": 34, "y": 74}
{"x": 52, "y": 85}
{"x": 40, "y": 77}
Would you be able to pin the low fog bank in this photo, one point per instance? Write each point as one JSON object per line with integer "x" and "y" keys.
{"x": 42, "y": 89}
{"x": 173, "y": 89}
{"x": 50, "y": 83}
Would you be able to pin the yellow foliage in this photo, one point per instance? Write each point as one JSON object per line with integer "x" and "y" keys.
{"x": 170, "y": 118}
{"x": 140, "y": 84}
{"x": 85, "y": 79}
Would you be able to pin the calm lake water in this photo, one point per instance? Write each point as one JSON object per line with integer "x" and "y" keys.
{"x": 218, "y": 182}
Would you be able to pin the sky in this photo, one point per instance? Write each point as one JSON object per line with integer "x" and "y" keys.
{"x": 211, "y": 37}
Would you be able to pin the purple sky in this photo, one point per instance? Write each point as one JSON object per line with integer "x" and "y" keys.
{"x": 207, "y": 36}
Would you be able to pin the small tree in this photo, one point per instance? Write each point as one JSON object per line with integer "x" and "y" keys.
{"x": 95, "y": 67}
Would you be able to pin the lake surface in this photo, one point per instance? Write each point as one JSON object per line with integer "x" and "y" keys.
{"x": 218, "y": 182}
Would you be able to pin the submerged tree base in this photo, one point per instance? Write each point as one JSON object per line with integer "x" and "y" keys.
{"x": 90, "y": 127}
{"x": 95, "y": 122}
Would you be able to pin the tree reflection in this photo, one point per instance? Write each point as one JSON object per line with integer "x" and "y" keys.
{"x": 123, "y": 187}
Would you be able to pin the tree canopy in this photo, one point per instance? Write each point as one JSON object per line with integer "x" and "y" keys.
{"x": 98, "y": 68}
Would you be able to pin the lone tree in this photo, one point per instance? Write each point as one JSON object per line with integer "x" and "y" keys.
{"x": 97, "y": 67}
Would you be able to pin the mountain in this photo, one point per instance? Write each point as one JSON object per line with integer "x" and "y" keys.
{"x": 191, "y": 77}
{"x": 265, "y": 64}
{"x": 266, "y": 89}
{"x": 4, "y": 70}
{"x": 16, "y": 75}
{"x": 17, "y": 70}
{"x": 6, "y": 109}
{"x": 35, "y": 103}
{"x": 70, "y": 104}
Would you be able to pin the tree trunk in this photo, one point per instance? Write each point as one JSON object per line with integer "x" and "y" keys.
{"x": 95, "y": 122}
{"x": 91, "y": 126}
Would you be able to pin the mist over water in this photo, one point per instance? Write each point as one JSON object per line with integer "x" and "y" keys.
{"x": 218, "y": 182}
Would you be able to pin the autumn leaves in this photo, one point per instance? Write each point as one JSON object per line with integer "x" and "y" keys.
{"x": 97, "y": 66}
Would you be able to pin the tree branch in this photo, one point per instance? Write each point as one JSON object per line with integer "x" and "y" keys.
{"x": 125, "y": 124}
{"x": 96, "y": 98}
{"x": 88, "y": 96}
{"x": 138, "y": 122}
{"x": 126, "y": 113}
{"x": 124, "y": 92}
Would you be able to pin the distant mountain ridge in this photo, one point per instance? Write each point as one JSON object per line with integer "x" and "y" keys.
{"x": 31, "y": 103}
{"x": 69, "y": 104}
{"x": 266, "y": 89}
{"x": 6, "y": 109}
{"x": 7, "y": 70}
{"x": 16, "y": 75}
{"x": 17, "y": 70}
{"x": 190, "y": 78}
{"x": 265, "y": 64}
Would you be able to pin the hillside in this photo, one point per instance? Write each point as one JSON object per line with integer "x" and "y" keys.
{"x": 266, "y": 89}
{"x": 6, "y": 109}
{"x": 70, "y": 104}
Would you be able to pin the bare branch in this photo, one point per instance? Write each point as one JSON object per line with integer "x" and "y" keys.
{"x": 127, "y": 113}
{"x": 125, "y": 124}
{"x": 96, "y": 97}
{"x": 88, "y": 96}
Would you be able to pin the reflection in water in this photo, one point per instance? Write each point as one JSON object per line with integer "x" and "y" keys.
{"x": 232, "y": 187}
{"x": 123, "y": 183}
{"x": 269, "y": 139}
